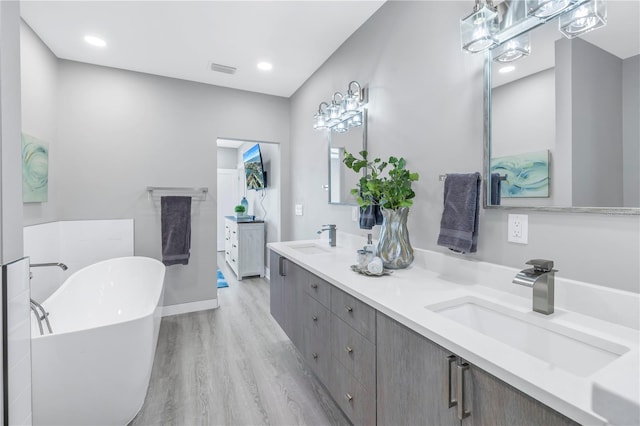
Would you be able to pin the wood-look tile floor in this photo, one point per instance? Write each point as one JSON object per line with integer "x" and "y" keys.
{"x": 232, "y": 366}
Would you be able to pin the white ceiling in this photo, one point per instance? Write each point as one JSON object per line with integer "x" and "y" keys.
{"x": 180, "y": 39}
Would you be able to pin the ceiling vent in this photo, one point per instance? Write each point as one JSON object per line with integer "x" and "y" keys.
{"x": 223, "y": 68}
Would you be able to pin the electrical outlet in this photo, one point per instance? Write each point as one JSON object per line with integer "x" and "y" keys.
{"x": 518, "y": 229}
{"x": 355, "y": 213}
{"x": 298, "y": 209}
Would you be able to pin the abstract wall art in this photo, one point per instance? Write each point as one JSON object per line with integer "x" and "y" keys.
{"x": 527, "y": 174}
{"x": 35, "y": 170}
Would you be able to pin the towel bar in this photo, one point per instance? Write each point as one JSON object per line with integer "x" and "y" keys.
{"x": 199, "y": 194}
{"x": 441, "y": 178}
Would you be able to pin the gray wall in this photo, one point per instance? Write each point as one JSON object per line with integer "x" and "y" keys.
{"x": 631, "y": 130}
{"x": 597, "y": 126}
{"x": 227, "y": 158}
{"x": 426, "y": 105}
{"x": 39, "y": 69}
{"x": 114, "y": 132}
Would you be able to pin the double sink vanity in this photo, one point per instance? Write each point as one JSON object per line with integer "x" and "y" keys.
{"x": 453, "y": 341}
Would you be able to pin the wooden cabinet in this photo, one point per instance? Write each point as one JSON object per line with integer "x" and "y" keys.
{"x": 276, "y": 287}
{"x": 244, "y": 247}
{"x": 415, "y": 386}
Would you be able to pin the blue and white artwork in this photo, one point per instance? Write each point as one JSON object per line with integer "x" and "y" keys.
{"x": 523, "y": 175}
{"x": 35, "y": 170}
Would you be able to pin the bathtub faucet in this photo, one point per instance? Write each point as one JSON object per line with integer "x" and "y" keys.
{"x": 58, "y": 264}
{"x": 41, "y": 314}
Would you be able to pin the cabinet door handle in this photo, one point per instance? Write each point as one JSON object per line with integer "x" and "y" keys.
{"x": 348, "y": 349}
{"x": 315, "y": 318}
{"x": 314, "y": 355}
{"x": 451, "y": 402}
{"x": 348, "y": 396}
{"x": 314, "y": 286}
{"x": 348, "y": 308}
{"x": 281, "y": 270}
{"x": 462, "y": 411}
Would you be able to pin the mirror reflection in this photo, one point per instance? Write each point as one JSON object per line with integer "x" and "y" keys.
{"x": 341, "y": 179}
{"x": 564, "y": 122}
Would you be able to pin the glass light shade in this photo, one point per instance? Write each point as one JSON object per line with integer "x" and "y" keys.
{"x": 585, "y": 18}
{"x": 341, "y": 127}
{"x": 546, "y": 8}
{"x": 318, "y": 121}
{"x": 513, "y": 49}
{"x": 333, "y": 111}
{"x": 350, "y": 105}
{"x": 477, "y": 31}
{"x": 356, "y": 120}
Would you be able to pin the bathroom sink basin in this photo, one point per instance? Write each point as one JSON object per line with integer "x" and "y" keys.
{"x": 310, "y": 249}
{"x": 560, "y": 346}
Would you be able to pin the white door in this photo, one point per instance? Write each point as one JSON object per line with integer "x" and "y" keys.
{"x": 228, "y": 198}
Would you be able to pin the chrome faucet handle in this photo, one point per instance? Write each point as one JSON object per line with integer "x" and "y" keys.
{"x": 330, "y": 226}
{"x": 541, "y": 265}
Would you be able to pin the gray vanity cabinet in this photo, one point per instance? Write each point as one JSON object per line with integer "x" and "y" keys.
{"x": 276, "y": 288}
{"x": 287, "y": 282}
{"x": 317, "y": 328}
{"x": 411, "y": 378}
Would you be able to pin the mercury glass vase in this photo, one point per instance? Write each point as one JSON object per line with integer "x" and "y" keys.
{"x": 394, "y": 247}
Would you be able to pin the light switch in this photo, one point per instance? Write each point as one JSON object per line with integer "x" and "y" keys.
{"x": 518, "y": 229}
{"x": 298, "y": 209}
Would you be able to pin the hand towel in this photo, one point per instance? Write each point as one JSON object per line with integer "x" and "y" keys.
{"x": 375, "y": 266}
{"x": 370, "y": 216}
{"x": 176, "y": 230}
{"x": 459, "y": 224}
{"x": 496, "y": 183}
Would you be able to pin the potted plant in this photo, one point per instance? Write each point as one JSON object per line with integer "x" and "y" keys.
{"x": 240, "y": 210}
{"x": 392, "y": 193}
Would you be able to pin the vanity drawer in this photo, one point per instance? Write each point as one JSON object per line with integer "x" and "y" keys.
{"x": 354, "y": 352}
{"x": 317, "y": 348}
{"x": 319, "y": 289}
{"x": 357, "y": 402}
{"x": 358, "y": 315}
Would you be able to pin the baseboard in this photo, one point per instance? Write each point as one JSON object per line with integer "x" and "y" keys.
{"x": 184, "y": 308}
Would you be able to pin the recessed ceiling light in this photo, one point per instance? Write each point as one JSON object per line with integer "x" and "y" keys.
{"x": 265, "y": 66}
{"x": 507, "y": 69}
{"x": 95, "y": 41}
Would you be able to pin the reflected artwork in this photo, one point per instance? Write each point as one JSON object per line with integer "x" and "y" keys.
{"x": 35, "y": 170}
{"x": 523, "y": 175}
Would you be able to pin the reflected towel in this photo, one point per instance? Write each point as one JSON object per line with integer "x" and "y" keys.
{"x": 496, "y": 187}
{"x": 459, "y": 224}
{"x": 370, "y": 216}
{"x": 176, "y": 230}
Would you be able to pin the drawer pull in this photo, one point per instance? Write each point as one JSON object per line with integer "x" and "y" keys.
{"x": 314, "y": 355}
{"x": 234, "y": 246}
{"x": 348, "y": 349}
{"x": 451, "y": 402}
{"x": 314, "y": 286}
{"x": 349, "y": 397}
{"x": 315, "y": 318}
{"x": 462, "y": 411}
{"x": 348, "y": 308}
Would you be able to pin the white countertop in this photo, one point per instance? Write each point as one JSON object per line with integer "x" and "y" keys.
{"x": 436, "y": 277}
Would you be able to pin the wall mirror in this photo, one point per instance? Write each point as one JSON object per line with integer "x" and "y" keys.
{"x": 561, "y": 130}
{"x": 341, "y": 179}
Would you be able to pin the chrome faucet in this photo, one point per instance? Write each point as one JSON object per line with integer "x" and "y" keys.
{"x": 332, "y": 233}
{"x": 541, "y": 279}
{"x": 58, "y": 264}
{"x": 41, "y": 314}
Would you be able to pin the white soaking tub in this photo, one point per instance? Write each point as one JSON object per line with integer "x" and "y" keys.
{"x": 95, "y": 367}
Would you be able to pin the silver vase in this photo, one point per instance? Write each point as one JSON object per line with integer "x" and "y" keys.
{"x": 394, "y": 247}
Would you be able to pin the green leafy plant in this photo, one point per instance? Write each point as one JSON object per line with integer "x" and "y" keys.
{"x": 390, "y": 191}
{"x": 239, "y": 209}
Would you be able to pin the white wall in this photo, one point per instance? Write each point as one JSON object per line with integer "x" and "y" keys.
{"x": 631, "y": 131}
{"x": 227, "y": 158}
{"x": 426, "y": 105}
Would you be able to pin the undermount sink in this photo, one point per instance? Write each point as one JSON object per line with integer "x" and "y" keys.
{"x": 310, "y": 248}
{"x": 560, "y": 346}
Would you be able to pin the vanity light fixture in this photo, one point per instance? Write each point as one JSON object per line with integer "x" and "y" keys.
{"x": 343, "y": 112}
{"x": 588, "y": 17}
{"x": 477, "y": 31}
{"x": 546, "y": 8}
{"x": 513, "y": 49}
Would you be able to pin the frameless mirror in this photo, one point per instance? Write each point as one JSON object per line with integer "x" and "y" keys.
{"x": 341, "y": 179}
{"x": 561, "y": 129}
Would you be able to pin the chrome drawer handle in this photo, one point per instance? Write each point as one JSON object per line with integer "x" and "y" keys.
{"x": 315, "y": 318}
{"x": 462, "y": 411}
{"x": 451, "y": 402}
{"x": 314, "y": 355}
{"x": 314, "y": 286}
{"x": 348, "y": 308}
{"x": 348, "y": 349}
{"x": 349, "y": 397}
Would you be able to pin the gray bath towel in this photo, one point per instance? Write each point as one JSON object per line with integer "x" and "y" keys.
{"x": 459, "y": 224}
{"x": 496, "y": 185}
{"x": 176, "y": 230}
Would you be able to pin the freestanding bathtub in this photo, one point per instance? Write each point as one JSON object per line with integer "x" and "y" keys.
{"x": 95, "y": 367}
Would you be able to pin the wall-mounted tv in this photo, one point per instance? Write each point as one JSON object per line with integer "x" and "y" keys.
{"x": 253, "y": 168}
